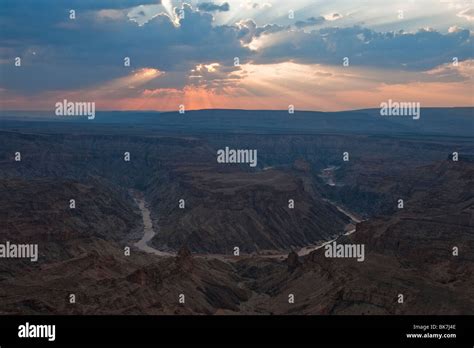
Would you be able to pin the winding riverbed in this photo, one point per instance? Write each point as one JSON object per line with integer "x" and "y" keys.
{"x": 149, "y": 233}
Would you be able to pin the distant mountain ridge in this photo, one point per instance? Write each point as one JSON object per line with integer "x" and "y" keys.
{"x": 433, "y": 121}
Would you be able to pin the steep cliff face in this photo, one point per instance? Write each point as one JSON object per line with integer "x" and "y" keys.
{"x": 435, "y": 229}
{"x": 410, "y": 253}
{"x": 251, "y": 210}
{"x": 82, "y": 253}
{"x": 42, "y": 210}
{"x": 81, "y": 157}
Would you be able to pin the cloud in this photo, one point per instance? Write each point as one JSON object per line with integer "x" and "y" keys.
{"x": 59, "y": 54}
{"x": 322, "y": 74}
{"x": 144, "y": 13}
{"x": 92, "y": 51}
{"x": 215, "y": 76}
{"x": 449, "y": 72}
{"x": 26, "y": 6}
{"x": 467, "y": 14}
{"x": 211, "y": 7}
{"x": 312, "y": 21}
{"x": 249, "y": 5}
{"x": 248, "y": 30}
{"x": 421, "y": 50}
{"x": 333, "y": 16}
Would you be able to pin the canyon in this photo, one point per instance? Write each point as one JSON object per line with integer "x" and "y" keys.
{"x": 190, "y": 251}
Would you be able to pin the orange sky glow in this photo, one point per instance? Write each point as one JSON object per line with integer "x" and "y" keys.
{"x": 270, "y": 86}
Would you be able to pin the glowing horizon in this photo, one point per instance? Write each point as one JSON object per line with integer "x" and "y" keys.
{"x": 185, "y": 54}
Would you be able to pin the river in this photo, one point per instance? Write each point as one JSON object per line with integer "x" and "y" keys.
{"x": 149, "y": 233}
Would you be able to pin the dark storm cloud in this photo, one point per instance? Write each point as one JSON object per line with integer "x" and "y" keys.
{"x": 90, "y": 51}
{"x": 211, "y": 7}
{"x": 422, "y": 50}
{"x": 59, "y": 53}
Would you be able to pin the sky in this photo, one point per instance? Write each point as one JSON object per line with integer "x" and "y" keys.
{"x": 185, "y": 53}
